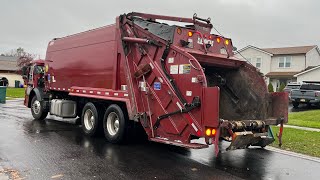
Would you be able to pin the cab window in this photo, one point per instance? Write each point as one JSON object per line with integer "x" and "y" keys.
{"x": 39, "y": 70}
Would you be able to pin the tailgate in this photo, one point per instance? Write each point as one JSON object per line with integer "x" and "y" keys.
{"x": 303, "y": 94}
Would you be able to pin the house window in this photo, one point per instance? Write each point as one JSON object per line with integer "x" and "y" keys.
{"x": 285, "y": 62}
{"x": 258, "y": 62}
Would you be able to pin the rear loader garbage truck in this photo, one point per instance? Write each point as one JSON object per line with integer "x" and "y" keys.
{"x": 179, "y": 82}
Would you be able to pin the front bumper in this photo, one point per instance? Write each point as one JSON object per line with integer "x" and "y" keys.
{"x": 305, "y": 100}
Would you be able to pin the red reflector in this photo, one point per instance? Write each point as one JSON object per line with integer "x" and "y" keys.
{"x": 210, "y": 37}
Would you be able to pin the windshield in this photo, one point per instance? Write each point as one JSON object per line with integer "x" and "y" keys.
{"x": 39, "y": 70}
{"x": 310, "y": 87}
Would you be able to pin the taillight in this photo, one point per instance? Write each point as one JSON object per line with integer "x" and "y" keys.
{"x": 190, "y": 33}
{"x": 226, "y": 42}
{"x": 218, "y": 40}
{"x": 208, "y": 132}
{"x": 211, "y": 132}
{"x": 210, "y": 36}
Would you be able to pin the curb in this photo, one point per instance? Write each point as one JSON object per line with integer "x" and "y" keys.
{"x": 290, "y": 153}
{"x": 302, "y": 128}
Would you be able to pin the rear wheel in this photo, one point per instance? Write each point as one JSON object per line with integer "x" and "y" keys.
{"x": 37, "y": 110}
{"x": 90, "y": 119}
{"x": 295, "y": 104}
{"x": 114, "y": 124}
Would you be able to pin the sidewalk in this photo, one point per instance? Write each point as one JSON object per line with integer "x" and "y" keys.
{"x": 302, "y": 128}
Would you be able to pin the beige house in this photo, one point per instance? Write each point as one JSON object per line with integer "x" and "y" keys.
{"x": 8, "y": 69}
{"x": 312, "y": 74}
{"x": 279, "y": 65}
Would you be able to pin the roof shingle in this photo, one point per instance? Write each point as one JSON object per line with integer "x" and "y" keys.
{"x": 282, "y": 74}
{"x": 8, "y": 58}
{"x": 289, "y": 50}
{"x": 8, "y": 65}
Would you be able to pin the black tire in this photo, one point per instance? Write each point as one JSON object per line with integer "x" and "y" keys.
{"x": 91, "y": 120}
{"x": 111, "y": 134}
{"x": 295, "y": 104}
{"x": 37, "y": 110}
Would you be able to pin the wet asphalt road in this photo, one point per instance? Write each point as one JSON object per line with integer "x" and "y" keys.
{"x": 58, "y": 150}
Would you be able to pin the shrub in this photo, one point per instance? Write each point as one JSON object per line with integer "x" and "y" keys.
{"x": 270, "y": 87}
{"x": 282, "y": 86}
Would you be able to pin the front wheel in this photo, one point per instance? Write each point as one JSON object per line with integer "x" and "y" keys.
{"x": 295, "y": 104}
{"x": 114, "y": 124}
{"x": 37, "y": 110}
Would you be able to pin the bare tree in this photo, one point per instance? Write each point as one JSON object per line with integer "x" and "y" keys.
{"x": 24, "y": 59}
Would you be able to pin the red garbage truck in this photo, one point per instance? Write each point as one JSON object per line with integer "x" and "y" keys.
{"x": 180, "y": 82}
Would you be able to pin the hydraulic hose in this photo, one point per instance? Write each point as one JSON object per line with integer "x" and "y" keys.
{"x": 171, "y": 80}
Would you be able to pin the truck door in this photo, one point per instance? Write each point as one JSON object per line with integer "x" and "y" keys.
{"x": 30, "y": 78}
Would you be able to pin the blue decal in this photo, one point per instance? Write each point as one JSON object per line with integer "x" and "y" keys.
{"x": 157, "y": 86}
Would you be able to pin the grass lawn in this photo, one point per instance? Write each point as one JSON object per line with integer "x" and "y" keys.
{"x": 300, "y": 141}
{"x": 15, "y": 92}
{"x": 305, "y": 118}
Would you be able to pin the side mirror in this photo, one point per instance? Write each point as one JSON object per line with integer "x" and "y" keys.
{"x": 24, "y": 70}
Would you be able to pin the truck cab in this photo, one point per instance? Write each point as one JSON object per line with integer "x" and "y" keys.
{"x": 34, "y": 79}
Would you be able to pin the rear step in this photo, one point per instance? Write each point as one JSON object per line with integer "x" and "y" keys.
{"x": 180, "y": 144}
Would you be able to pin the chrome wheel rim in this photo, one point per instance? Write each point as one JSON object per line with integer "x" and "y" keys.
{"x": 113, "y": 123}
{"x": 88, "y": 119}
{"x": 36, "y": 106}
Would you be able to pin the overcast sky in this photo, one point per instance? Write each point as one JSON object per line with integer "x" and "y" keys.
{"x": 31, "y": 24}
